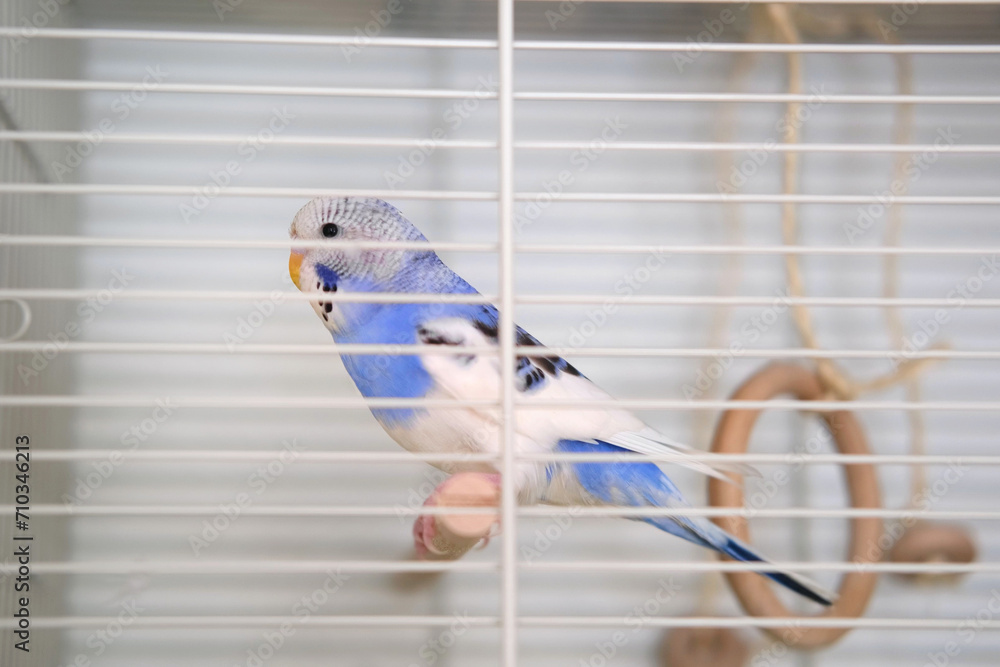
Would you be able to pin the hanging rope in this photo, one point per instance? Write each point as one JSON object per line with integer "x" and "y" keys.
{"x": 838, "y": 384}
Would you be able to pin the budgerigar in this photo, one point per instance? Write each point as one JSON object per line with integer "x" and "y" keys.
{"x": 334, "y": 268}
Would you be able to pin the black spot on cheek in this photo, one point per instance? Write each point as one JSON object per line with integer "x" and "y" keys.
{"x": 328, "y": 307}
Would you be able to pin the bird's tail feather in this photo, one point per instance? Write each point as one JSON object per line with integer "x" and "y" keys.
{"x": 707, "y": 534}
{"x": 644, "y": 484}
{"x": 796, "y": 582}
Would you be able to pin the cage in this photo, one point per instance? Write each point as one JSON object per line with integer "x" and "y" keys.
{"x": 673, "y": 196}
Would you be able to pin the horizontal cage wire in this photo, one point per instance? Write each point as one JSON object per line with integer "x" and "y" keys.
{"x": 676, "y": 197}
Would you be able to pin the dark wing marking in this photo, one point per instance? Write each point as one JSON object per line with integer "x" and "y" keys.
{"x": 529, "y": 376}
{"x": 428, "y": 335}
{"x": 553, "y": 365}
{"x": 532, "y": 371}
{"x": 488, "y": 324}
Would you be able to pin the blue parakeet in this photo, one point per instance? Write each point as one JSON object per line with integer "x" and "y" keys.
{"x": 334, "y": 268}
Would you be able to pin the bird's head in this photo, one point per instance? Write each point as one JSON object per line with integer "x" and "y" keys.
{"x": 335, "y": 264}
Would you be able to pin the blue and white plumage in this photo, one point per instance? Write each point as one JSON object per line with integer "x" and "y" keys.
{"x": 336, "y": 268}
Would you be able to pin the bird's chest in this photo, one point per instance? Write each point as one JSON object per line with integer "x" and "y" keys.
{"x": 387, "y": 375}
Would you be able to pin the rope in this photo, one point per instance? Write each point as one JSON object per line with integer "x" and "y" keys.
{"x": 838, "y": 384}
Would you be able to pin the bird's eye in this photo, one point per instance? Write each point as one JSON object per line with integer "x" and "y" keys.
{"x": 330, "y": 230}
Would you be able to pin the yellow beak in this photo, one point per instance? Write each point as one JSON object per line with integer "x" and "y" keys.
{"x": 294, "y": 266}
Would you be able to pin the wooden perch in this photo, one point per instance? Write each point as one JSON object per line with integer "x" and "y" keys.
{"x": 450, "y": 536}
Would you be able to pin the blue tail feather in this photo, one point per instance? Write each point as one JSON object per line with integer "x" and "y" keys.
{"x": 643, "y": 484}
{"x": 740, "y": 552}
